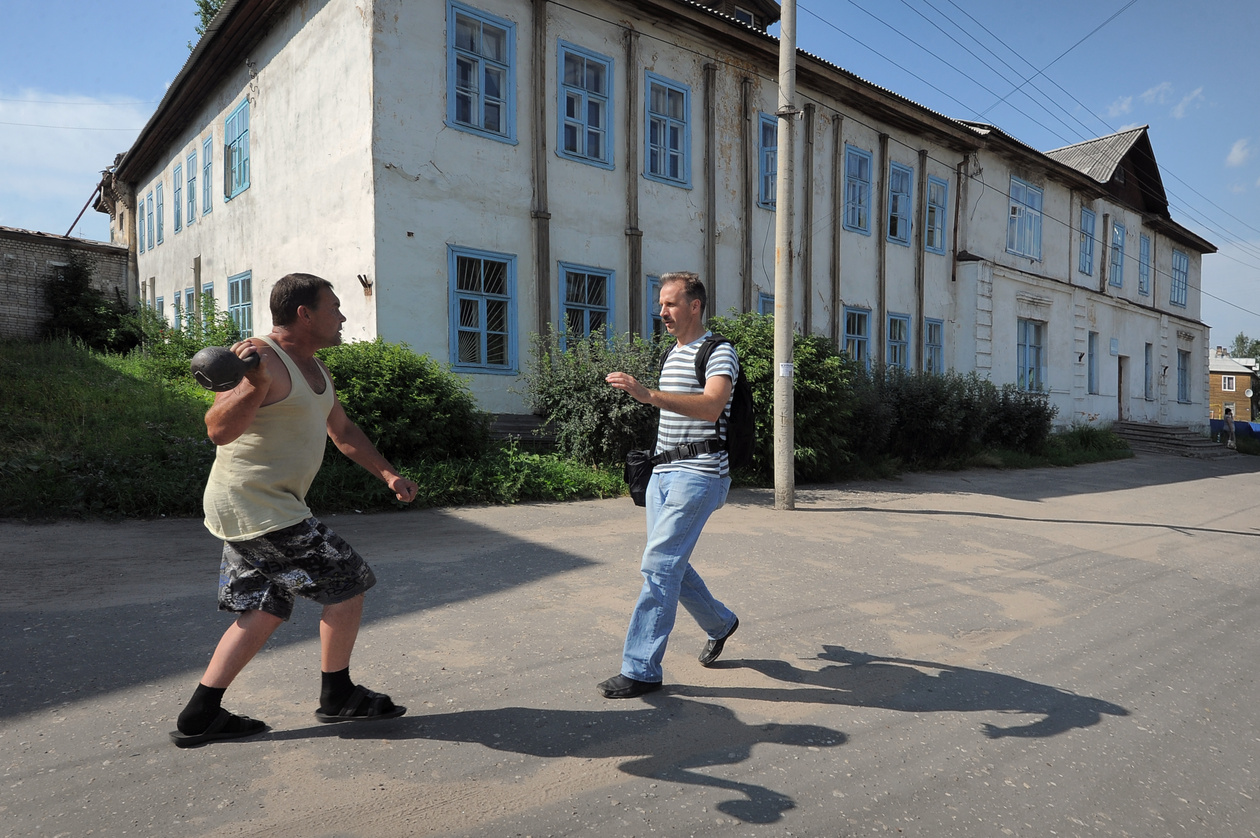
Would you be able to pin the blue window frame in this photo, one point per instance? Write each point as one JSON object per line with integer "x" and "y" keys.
{"x": 857, "y": 190}
{"x": 192, "y": 187}
{"x": 190, "y": 307}
{"x": 586, "y": 99}
{"x": 937, "y": 212}
{"x": 1183, "y": 376}
{"x": 1178, "y": 293}
{"x": 1085, "y": 259}
{"x": 480, "y": 73}
{"x": 898, "y": 342}
{"x": 1030, "y": 372}
{"x": 1144, "y": 265}
{"x": 140, "y": 227}
{"x": 161, "y": 214}
{"x": 899, "y": 179}
{"x": 668, "y": 131}
{"x": 160, "y": 305}
{"x": 653, "y": 326}
{"x": 177, "y": 186}
{"x": 483, "y": 310}
{"x": 765, "y": 303}
{"x": 236, "y": 153}
{"x": 586, "y": 296}
{"x": 934, "y": 346}
{"x": 207, "y": 156}
{"x": 207, "y": 290}
{"x": 1092, "y": 356}
{"x": 1023, "y": 227}
{"x": 857, "y": 334}
{"x": 241, "y": 302}
{"x": 767, "y": 160}
{"x": 1115, "y": 276}
{"x": 149, "y": 201}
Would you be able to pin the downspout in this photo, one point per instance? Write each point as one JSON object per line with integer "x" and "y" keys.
{"x": 881, "y": 245}
{"x": 710, "y": 186}
{"x": 962, "y": 174}
{"x": 807, "y": 223}
{"x": 746, "y": 143}
{"x": 837, "y": 225}
{"x": 918, "y": 256}
{"x": 541, "y": 214}
{"x": 634, "y": 235}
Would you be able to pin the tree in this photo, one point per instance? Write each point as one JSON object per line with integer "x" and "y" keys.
{"x": 206, "y": 10}
{"x": 1244, "y": 347}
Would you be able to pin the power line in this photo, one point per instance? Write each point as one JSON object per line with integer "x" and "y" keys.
{"x": 66, "y": 127}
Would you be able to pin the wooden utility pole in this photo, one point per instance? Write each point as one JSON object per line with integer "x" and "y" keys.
{"x": 785, "y": 223}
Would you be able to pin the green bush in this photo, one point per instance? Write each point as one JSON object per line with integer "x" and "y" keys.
{"x": 593, "y": 422}
{"x": 79, "y": 311}
{"x": 166, "y": 351}
{"x": 410, "y": 406}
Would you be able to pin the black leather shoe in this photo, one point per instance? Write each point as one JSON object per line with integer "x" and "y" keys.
{"x": 713, "y": 649}
{"x": 619, "y": 686}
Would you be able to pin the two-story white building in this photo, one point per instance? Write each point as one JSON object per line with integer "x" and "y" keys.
{"x": 470, "y": 172}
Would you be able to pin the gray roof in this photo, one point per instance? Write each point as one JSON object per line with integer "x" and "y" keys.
{"x": 1098, "y": 158}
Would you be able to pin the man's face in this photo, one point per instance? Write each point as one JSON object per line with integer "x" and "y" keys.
{"x": 326, "y": 319}
{"x": 677, "y": 312}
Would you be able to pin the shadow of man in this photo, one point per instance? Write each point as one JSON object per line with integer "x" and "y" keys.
{"x": 673, "y": 740}
{"x": 862, "y": 680}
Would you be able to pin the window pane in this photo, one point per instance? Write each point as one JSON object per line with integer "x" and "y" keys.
{"x": 469, "y": 314}
{"x": 496, "y": 316}
{"x": 467, "y": 274}
{"x": 657, "y": 100}
{"x": 466, "y": 31}
{"x": 575, "y": 322}
{"x": 494, "y": 114}
{"x": 573, "y": 66}
{"x": 496, "y": 277}
{"x": 469, "y": 348}
{"x": 496, "y": 350}
{"x": 595, "y": 290}
{"x": 494, "y": 83}
{"x": 677, "y": 105}
{"x": 494, "y": 43}
{"x": 575, "y": 288}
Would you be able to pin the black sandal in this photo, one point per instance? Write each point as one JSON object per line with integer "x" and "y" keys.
{"x": 363, "y": 705}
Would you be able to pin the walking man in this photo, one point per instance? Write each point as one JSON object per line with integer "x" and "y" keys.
{"x": 684, "y": 490}
{"x": 270, "y": 432}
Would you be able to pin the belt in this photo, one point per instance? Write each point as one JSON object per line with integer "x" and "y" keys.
{"x": 688, "y": 450}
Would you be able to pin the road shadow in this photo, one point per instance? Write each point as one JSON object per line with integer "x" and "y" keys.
{"x": 672, "y": 739}
{"x": 858, "y": 679}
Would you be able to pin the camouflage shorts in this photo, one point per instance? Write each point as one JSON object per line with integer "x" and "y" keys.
{"x": 307, "y": 560}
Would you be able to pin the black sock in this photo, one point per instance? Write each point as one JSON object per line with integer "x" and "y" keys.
{"x": 335, "y": 690}
{"x": 202, "y": 709}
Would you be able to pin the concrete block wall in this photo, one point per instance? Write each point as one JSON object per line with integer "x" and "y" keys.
{"x": 28, "y": 261}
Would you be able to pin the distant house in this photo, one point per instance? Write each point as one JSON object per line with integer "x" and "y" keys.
{"x": 30, "y": 260}
{"x": 1234, "y": 383}
{"x": 469, "y": 172}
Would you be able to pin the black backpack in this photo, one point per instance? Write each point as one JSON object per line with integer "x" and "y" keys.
{"x": 741, "y": 429}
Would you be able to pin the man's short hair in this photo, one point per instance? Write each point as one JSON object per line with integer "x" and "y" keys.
{"x": 693, "y": 288}
{"x": 292, "y": 291}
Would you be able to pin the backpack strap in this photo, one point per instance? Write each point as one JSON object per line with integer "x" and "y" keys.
{"x": 707, "y": 446}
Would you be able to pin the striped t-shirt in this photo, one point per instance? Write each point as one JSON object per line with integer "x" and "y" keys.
{"x": 679, "y": 376}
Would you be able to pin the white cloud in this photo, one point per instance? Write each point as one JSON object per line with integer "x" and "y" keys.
{"x": 1121, "y": 106}
{"x": 1189, "y": 99}
{"x": 1238, "y": 154}
{"x": 1158, "y": 95}
{"x": 52, "y": 150}
{"x": 1129, "y": 126}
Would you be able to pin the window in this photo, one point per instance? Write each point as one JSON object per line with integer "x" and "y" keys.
{"x": 857, "y": 335}
{"x": 1183, "y": 376}
{"x": 934, "y": 228}
{"x": 207, "y": 290}
{"x": 149, "y": 201}
{"x": 1180, "y": 278}
{"x": 1144, "y": 265}
{"x": 241, "y": 302}
{"x": 765, "y": 303}
{"x": 140, "y": 227}
{"x": 934, "y": 346}
{"x": 480, "y": 79}
{"x": 668, "y": 131}
{"x": 1115, "y": 275}
{"x": 898, "y": 341}
{"x": 1085, "y": 261}
{"x": 857, "y": 190}
{"x": 161, "y": 214}
{"x": 585, "y": 81}
{"x": 178, "y": 186}
{"x": 190, "y": 308}
{"x": 768, "y": 161}
{"x": 653, "y": 324}
{"x": 899, "y": 178}
{"x": 1227, "y": 383}
{"x": 744, "y": 16}
{"x": 586, "y": 296}
{"x": 1023, "y": 228}
{"x": 1030, "y": 375}
{"x": 207, "y": 155}
{"x": 192, "y": 187}
{"x": 1148, "y": 389}
{"x": 1092, "y": 352}
{"x": 483, "y": 292}
{"x": 160, "y": 304}
{"x": 236, "y": 154}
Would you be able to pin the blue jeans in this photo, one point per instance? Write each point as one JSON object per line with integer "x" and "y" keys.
{"x": 678, "y": 505}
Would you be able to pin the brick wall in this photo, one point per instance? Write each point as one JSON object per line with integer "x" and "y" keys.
{"x": 28, "y": 261}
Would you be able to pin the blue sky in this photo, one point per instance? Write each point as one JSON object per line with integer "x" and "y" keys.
{"x": 78, "y": 78}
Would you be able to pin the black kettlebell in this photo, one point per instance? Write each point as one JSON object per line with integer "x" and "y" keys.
{"x": 218, "y": 368}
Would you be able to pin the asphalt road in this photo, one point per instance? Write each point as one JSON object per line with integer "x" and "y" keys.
{"x": 1065, "y": 652}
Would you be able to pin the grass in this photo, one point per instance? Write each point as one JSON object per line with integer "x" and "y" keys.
{"x": 91, "y": 435}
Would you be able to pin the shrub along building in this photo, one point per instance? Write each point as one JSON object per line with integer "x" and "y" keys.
{"x": 469, "y": 173}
